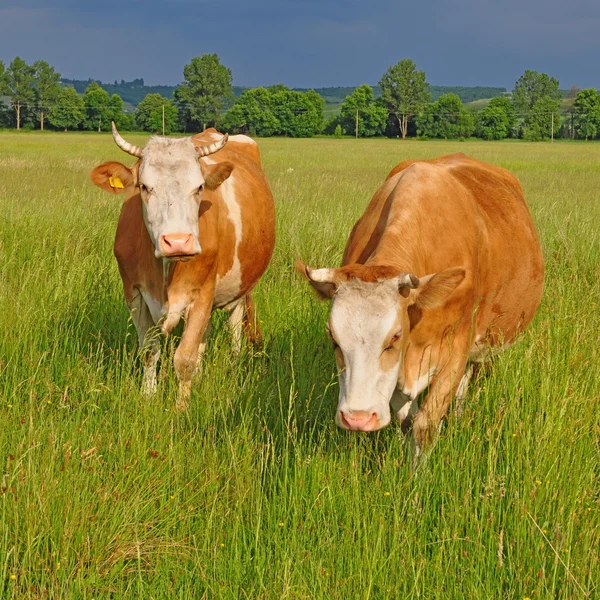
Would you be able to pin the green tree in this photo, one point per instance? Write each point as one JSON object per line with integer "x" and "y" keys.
{"x": 19, "y": 86}
{"x": 586, "y": 107}
{"x": 3, "y": 87}
{"x": 253, "y": 112}
{"x": 68, "y": 111}
{"x": 504, "y": 103}
{"x": 46, "y": 82}
{"x": 300, "y": 114}
{"x": 532, "y": 87}
{"x": 537, "y": 90}
{"x": 446, "y": 118}
{"x": 122, "y": 119}
{"x": 497, "y": 120}
{"x": 361, "y": 106}
{"x": 205, "y": 91}
{"x": 149, "y": 114}
{"x": 98, "y": 108}
{"x": 404, "y": 92}
{"x": 542, "y": 120}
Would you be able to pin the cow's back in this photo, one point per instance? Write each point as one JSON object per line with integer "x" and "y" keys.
{"x": 456, "y": 211}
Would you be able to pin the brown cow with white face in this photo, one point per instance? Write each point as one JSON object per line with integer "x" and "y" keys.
{"x": 196, "y": 232}
{"x": 443, "y": 268}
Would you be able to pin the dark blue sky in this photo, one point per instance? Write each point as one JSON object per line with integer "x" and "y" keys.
{"x": 309, "y": 43}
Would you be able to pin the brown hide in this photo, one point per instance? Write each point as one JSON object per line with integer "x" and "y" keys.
{"x": 455, "y": 211}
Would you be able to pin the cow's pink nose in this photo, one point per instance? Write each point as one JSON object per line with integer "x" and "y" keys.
{"x": 177, "y": 244}
{"x": 359, "y": 420}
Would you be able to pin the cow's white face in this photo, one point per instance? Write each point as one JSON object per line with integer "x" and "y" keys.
{"x": 171, "y": 184}
{"x": 368, "y": 327}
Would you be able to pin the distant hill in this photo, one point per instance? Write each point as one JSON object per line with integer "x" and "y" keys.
{"x": 133, "y": 92}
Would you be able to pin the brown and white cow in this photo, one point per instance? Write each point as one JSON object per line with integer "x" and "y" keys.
{"x": 196, "y": 232}
{"x": 443, "y": 268}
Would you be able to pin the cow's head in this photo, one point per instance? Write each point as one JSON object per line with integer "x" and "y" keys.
{"x": 372, "y": 311}
{"x": 170, "y": 179}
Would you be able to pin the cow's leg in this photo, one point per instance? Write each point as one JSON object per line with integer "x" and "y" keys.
{"x": 236, "y": 323}
{"x": 186, "y": 355}
{"x": 148, "y": 339}
{"x": 202, "y": 349}
{"x": 251, "y": 328}
{"x": 435, "y": 405}
{"x": 404, "y": 408}
{"x": 463, "y": 386}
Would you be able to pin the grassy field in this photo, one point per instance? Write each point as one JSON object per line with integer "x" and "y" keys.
{"x": 255, "y": 493}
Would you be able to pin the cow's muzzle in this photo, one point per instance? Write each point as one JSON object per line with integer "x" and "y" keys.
{"x": 178, "y": 246}
{"x": 359, "y": 420}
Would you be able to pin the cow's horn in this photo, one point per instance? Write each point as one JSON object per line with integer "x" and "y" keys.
{"x": 409, "y": 280}
{"x": 212, "y": 148}
{"x": 125, "y": 146}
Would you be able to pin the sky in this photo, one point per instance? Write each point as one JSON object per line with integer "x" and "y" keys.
{"x": 309, "y": 43}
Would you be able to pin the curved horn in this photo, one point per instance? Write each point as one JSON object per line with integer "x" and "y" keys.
{"x": 407, "y": 282}
{"x": 212, "y": 148}
{"x": 125, "y": 146}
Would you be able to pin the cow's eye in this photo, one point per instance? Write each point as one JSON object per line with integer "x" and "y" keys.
{"x": 200, "y": 189}
{"x": 143, "y": 188}
{"x": 393, "y": 341}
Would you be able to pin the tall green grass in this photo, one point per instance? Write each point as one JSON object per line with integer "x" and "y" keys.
{"x": 255, "y": 493}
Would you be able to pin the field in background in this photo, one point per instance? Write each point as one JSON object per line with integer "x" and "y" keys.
{"x": 255, "y": 493}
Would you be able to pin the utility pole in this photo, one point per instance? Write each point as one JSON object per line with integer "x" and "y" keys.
{"x": 552, "y": 138}
{"x": 163, "y": 117}
{"x": 356, "y": 128}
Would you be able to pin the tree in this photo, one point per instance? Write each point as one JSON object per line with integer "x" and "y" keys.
{"x": 19, "y": 86}
{"x": 98, "y": 109}
{"x": 404, "y": 92}
{"x": 538, "y": 90}
{"x": 493, "y": 123}
{"x": 3, "y": 87}
{"x": 533, "y": 86}
{"x": 299, "y": 114}
{"x": 446, "y": 118}
{"x": 205, "y": 91}
{"x": 543, "y": 119}
{"x": 372, "y": 117}
{"x": 68, "y": 111}
{"x": 505, "y": 104}
{"x": 149, "y": 114}
{"x": 46, "y": 82}
{"x": 253, "y": 112}
{"x": 586, "y": 107}
{"x": 122, "y": 119}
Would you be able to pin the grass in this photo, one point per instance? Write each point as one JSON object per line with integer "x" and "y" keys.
{"x": 255, "y": 493}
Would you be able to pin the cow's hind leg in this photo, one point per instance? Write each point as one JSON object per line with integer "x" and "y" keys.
{"x": 242, "y": 319}
{"x": 148, "y": 339}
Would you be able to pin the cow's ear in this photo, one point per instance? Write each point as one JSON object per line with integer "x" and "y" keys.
{"x": 114, "y": 177}
{"x": 322, "y": 280}
{"x": 434, "y": 290}
{"x": 215, "y": 175}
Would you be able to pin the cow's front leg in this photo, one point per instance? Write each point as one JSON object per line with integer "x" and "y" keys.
{"x": 186, "y": 355}
{"x": 148, "y": 339}
{"x": 435, "y": 405}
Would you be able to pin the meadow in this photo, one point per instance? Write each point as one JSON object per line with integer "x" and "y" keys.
{"x": 255, "y": 493}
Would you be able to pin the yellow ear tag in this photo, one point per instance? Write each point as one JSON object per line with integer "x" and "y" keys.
{"x": 115, "y": 182}
{"x": 219, "y": 182}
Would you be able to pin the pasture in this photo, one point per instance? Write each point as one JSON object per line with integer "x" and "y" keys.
{"x": 255, "y": 493}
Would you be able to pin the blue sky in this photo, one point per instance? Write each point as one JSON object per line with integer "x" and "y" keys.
{"x": 309, "y": 43}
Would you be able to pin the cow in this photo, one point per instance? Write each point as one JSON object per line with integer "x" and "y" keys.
{"x": 442, "y": 270}
{"x": 196, "y": 232}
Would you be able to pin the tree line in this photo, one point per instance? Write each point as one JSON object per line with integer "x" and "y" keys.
{"x": 401, "y": 105}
